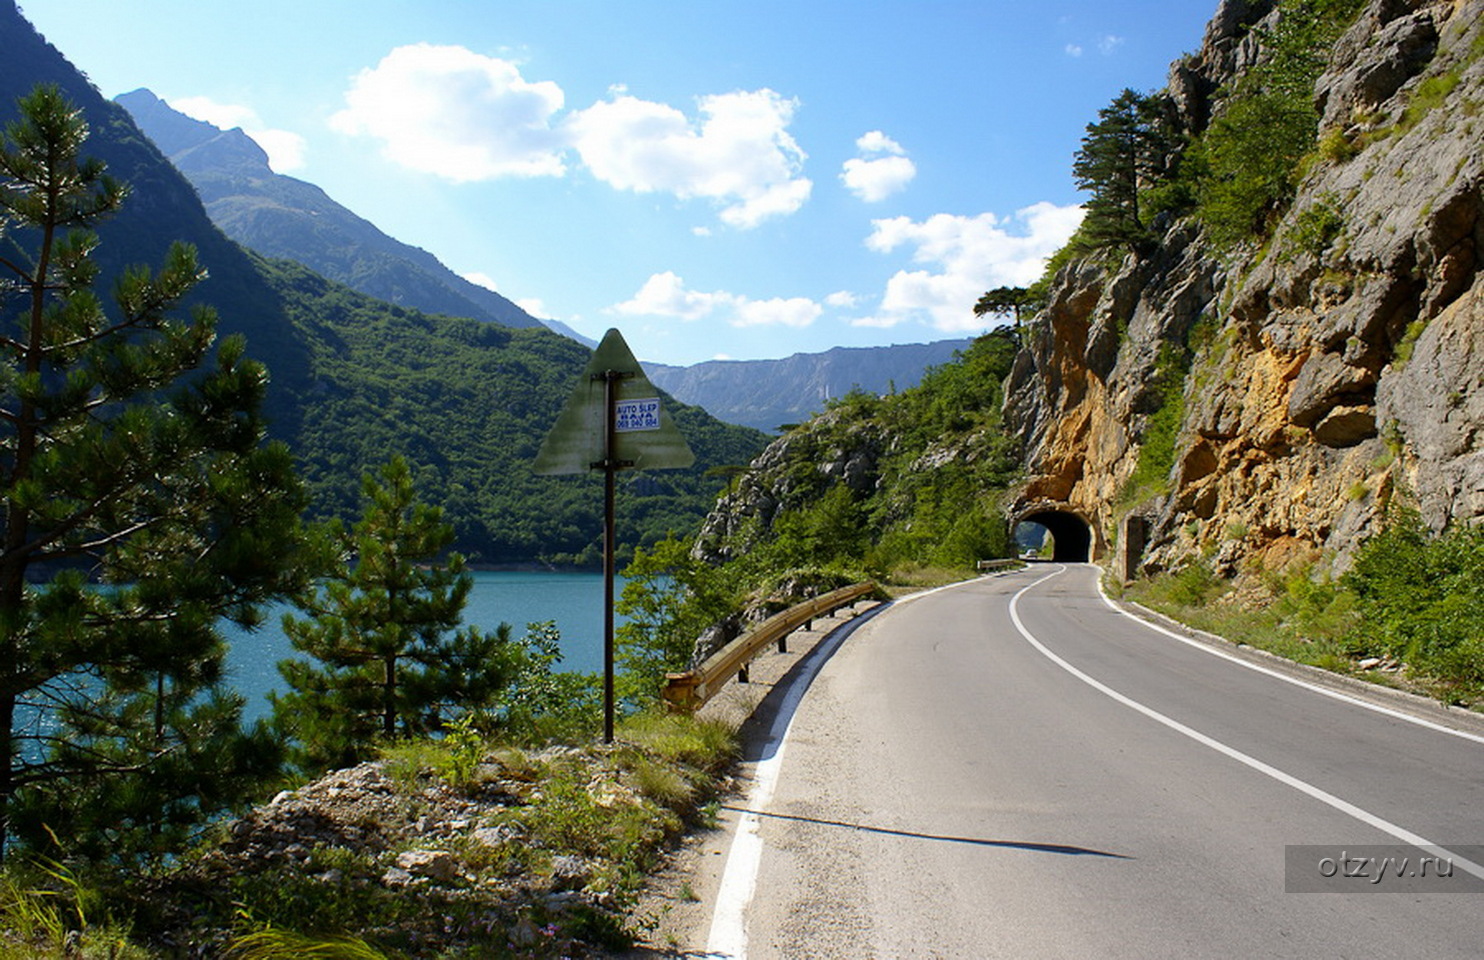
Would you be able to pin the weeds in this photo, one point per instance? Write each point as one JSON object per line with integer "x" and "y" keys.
{"x": 275, "y": 944}
{"x": 47, "y": 916}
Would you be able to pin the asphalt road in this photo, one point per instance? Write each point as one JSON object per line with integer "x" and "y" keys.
{"x": 1012, "y": 768}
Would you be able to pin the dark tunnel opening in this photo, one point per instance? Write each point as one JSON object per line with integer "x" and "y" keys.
{"x": 1072, "y": 537}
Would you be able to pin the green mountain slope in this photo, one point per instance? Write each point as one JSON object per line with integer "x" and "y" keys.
{"x": 280, "y": 216}
{"x": 356, "y": 380}
{"x": 882, "y": 484}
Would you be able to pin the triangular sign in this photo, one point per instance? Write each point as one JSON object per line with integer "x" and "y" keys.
{"x": 645, "y": 438}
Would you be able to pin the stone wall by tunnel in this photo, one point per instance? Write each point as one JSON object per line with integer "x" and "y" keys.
{"x": 1072, "y": 534}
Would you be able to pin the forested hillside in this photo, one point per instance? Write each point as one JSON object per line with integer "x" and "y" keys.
{"x": 883, "y": 484}
{"x": 468, "y": 403}
{"x": 356, "y": 380}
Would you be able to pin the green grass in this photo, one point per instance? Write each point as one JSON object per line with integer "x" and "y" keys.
{"x": 46, "y": 912}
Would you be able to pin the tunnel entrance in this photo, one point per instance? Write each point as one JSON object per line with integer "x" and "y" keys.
{"x": 1071, "y": 536}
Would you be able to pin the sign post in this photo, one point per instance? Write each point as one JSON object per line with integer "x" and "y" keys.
{"x": 612, "y": 421}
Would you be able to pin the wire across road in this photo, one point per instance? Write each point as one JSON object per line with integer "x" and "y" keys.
{"x": 1013, "y": 768}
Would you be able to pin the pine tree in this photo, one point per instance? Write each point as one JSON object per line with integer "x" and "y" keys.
{"x": 388, "y": 657}
{"x": 1123, "y": 154}
{"x": 139, "y": 506}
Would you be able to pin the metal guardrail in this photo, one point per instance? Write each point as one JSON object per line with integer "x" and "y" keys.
{"x": 691, "y": 690}
{"x": 987, "y": 565}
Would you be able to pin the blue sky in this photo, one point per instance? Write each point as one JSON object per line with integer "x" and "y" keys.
{"x": 716, "y": 179}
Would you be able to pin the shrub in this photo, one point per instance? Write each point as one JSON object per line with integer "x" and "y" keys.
{"x": 1421, "y": 600}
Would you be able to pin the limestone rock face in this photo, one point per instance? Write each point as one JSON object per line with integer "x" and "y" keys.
{"x": 1326, "y": 378}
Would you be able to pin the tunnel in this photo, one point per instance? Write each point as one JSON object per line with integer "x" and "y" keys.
{"x": 1071, "y": 535}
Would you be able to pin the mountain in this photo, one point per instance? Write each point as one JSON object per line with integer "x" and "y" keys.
{"x": 356, "y": 379}
{"x": 280, "y": 216}
{"x": 767, "y": 394}
{"x": 1263, "y": 403}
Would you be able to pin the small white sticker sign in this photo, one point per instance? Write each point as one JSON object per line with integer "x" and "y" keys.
{"x": 634, "y": 415}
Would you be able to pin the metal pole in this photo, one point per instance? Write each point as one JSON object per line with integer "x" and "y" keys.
{"x": 610, "y": 470}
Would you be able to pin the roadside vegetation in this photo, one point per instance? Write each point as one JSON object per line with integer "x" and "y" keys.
{"x": 1409, "y": 612}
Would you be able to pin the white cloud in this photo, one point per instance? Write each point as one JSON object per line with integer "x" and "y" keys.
{"x": 463, "y": 116}
{"x": 665, "y": 295}
{"x": 535, "y": 306}
{"x": 738, "y": 155}
{"x": 481, "y": 280}
{"x": 223, "y": 115}
{"x": 1073, "y": 49}
{"x": 792, "y": 312}
{"x": 285, "y": 149}
{"x": 875, "y": 180}
{"x": 878, "y": 142}
{"x": 883, "y": 171}
{"x": 449, "y": 111}
{"x": 1109, "y": 44}
{"x": 842, "y": 299}
{"x": 962, "y": 258}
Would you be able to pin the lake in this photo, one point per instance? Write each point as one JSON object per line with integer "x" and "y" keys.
{"x": 573, "y": 600}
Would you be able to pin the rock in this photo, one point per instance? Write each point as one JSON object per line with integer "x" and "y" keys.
{"x": 491, "y": 836}
{"x": 1346, "y": 426}
{"x": 1378, "y": 59}
{"x": 439, "y": 865}
{"x": 396, "y": 877}
{"x": 570, "y": 873}
{"x": 1323, "y": 382}
{"x": 1302, "y": 387}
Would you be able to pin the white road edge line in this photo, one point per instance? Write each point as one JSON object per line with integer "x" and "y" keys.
{"x": 728, "y": 934}
{"x": 1296, "y": 681}
{"x": 1323, "y": 796}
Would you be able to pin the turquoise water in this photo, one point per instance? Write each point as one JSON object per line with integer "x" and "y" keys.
{"x": 573, "y": 600}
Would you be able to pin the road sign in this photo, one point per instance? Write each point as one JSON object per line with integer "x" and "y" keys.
{"x": 613, "y": 420}
{"x": 646, "y": 437}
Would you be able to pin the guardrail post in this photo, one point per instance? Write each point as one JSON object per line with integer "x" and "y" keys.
{"x": 679, "y": 692}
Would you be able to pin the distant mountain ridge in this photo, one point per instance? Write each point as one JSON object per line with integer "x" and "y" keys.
{"x": 280, "y": 216}
{"x": 767, "y": 394}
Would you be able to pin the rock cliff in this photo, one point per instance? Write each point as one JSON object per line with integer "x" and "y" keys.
{"x": 1306, "y": 383}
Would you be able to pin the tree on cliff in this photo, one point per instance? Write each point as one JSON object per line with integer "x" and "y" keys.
{"x": 1126, "y": 151}
{"x": 384, "y": 631}
{"x": 1015, "y": 301}
{"x": 139, "y": 506}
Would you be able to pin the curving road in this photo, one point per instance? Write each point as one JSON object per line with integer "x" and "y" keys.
{"x": 1013, "y": 768}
